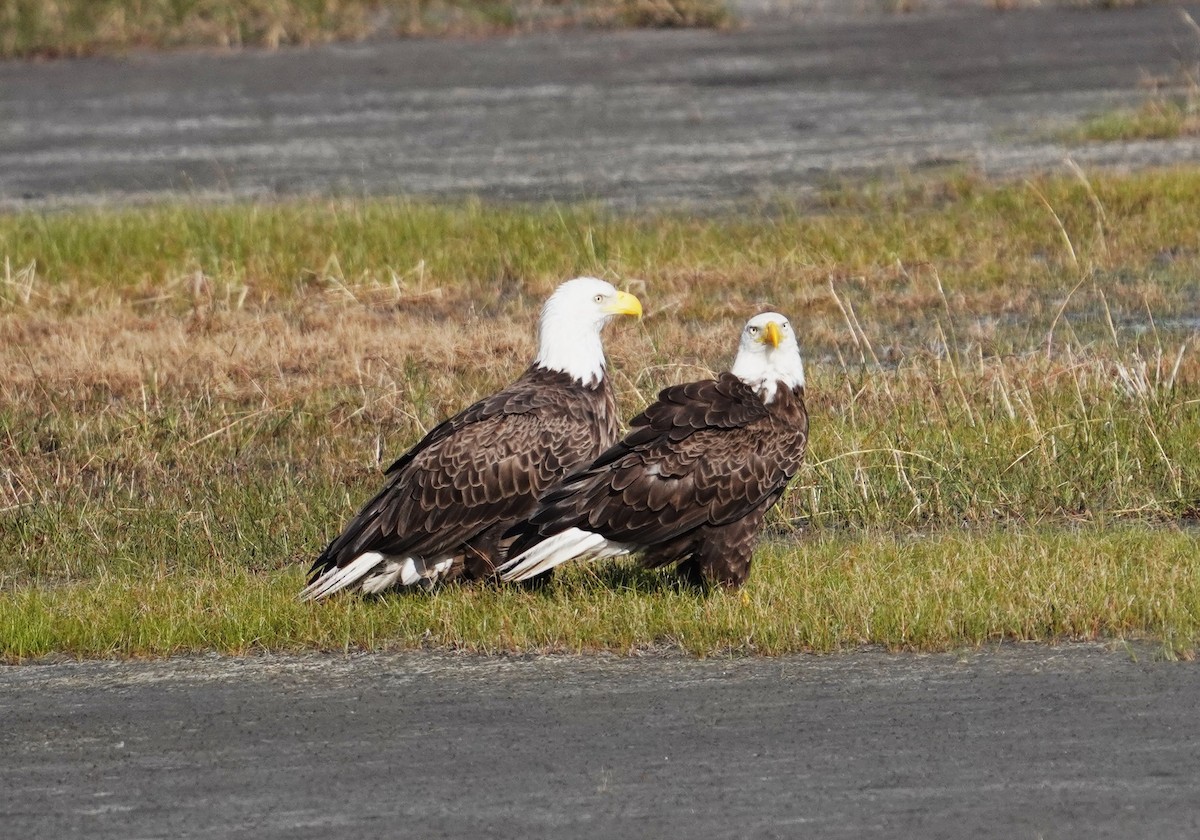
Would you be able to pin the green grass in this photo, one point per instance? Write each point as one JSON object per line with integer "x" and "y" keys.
{"x": 1156, "y": 119}
{"x": 54, "y": 28}
{"x": 1170, "y": 111}
{"x": 948, "y": 589}
{"x": 1004, "y": 390}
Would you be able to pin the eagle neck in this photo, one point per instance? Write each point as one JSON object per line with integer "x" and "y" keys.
{"x": 568, "y": 349}
{"x": 768, "y": 388}
{"x": 767, "y": 381}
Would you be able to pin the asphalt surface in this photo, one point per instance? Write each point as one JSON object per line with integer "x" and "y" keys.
{"x": 1020, "y": 742}
{"x": 785, "y": 104}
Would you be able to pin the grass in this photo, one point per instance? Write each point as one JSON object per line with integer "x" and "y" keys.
{"x": 1159, "y": 118}
{"x": 1171, "y": 109}
{"x": 40, "y": 29}
{"x": 73, "y": 28}
{"x": 947, "y": 589}
{"x": 1004, "y": 386}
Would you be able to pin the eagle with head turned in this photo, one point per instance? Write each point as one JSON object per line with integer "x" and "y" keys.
{"x": 693, "y": 479}
{"x": 448, "y": 501}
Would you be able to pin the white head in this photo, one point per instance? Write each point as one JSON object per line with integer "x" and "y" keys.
{"x": 769, "y": 355}
{"x": 569, "y": 331}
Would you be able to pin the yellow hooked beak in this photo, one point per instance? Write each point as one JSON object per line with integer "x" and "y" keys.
{"x": 625, "y": 304}
{"x": 771, "y": 334}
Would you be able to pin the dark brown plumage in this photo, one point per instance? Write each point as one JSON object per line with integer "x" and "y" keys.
{"x": 690, "y": 483}
{"x": 477, "y": 473}
{"x": 448, "y": 501}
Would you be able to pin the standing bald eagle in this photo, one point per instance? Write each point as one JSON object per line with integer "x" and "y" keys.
{"x": 693, "y": 479}
{"x": 448, "y": 500}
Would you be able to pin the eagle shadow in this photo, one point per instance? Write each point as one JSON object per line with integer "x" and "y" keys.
{"x": 631, "y": 577}
{"x": 619, "y": 577}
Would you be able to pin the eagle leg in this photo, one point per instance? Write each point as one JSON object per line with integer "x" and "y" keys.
{"x": 722, "y": 555}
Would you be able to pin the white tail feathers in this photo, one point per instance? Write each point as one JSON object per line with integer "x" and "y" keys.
{"x": 375, "y": 572}
{"x": 572, "y": 544}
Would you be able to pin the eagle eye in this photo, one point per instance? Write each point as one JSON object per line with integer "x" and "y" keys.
{"x": 598, "y": 298}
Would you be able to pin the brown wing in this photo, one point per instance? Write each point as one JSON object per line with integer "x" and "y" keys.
{"x": 706, "y": 454}
{"x": 485, "y": 466}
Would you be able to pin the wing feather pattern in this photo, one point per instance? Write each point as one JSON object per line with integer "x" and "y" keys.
{"x": 480, "y": 469}
{"x": 694, "y": 477}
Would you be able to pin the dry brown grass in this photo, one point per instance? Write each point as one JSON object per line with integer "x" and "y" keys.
{"x": 56, "y": 28}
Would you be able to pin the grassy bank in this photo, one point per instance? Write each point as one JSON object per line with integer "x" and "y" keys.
{"x": 838, "y": 591}
{"x": 194, "y": 399}
{"x": 72, "y": 28}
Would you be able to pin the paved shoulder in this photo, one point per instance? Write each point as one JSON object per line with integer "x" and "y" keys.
{"x": 626, "y": 118}
{"x": 1019, "y": 742}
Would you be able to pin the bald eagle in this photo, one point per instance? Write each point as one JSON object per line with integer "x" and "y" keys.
{"x": 448, "y": 501}
{"x": 693, "y": 479}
